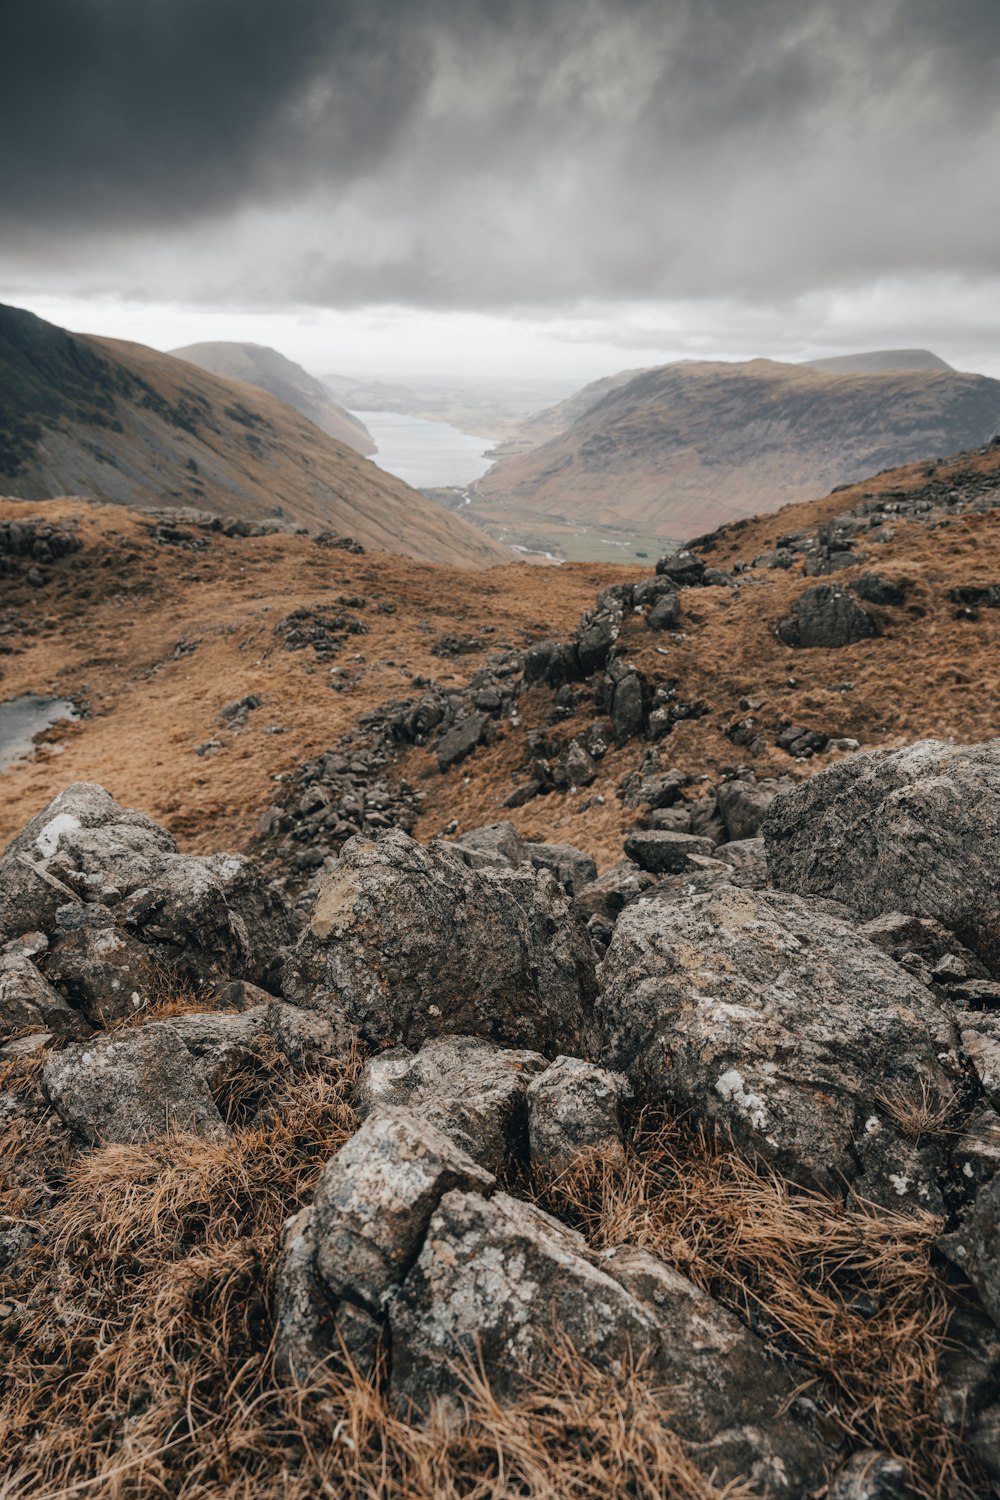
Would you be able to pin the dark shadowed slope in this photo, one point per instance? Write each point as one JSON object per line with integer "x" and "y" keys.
{"x": 122, "y": 423}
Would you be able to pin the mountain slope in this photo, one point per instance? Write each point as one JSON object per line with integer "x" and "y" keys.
{"x": 879, "y": 361}
{"x": 683, "y": 448}
{"x": 257, "y": 365}
{"x": 118, "y": 422}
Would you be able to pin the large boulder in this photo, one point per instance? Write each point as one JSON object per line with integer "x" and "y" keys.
{"x": 826, "y": 616}
{"x": 914, "y": 830}
{"x": 214, "y": 915}
{"x": 773, "y": 1018}
{"x": 499, "y": 1281}
{"x": 411, "y": 943}
{"x": 471, "y": 1089}
{"x": 131, "y": 1086}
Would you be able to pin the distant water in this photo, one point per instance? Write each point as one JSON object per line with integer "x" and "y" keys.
{"x": 22, "y": 718}
{"x": 428, "y": 455}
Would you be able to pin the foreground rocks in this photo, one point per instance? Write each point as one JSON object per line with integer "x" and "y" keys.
{"x": 771, "y": 1017}
{"x": 409, "y": 942}
{"x": 914, "y": 830}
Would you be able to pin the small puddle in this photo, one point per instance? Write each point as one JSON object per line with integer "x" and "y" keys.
{"x": 22, "y": 718}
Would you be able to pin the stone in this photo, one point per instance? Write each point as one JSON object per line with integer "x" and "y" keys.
{"x": 665, "y": 853}
{"x": 132, "y": 1086}
{"x": 826, "y": 616}
{"x": 979, "y": 1035}
{"x": 669, "y": 819}
{"x": 581, "y": 768}
{"x": 221, "y": 1044}
{"x": 311, "y": 1328}
{"x": 871, "y": 1475}
{"x": 743, "y": 804}
{"x": 875, "y": 589}
{"x": 496, "y": 1280}
{"x": 769, "y": 1016}
{"x": 571, "y": 868}
{"x": 308, "y": 1037}
{"x": 497, "y": 845}
{"x": 651, "y": 590}
{"x": 458, "y": 742}
{"x": 683, "y": 568}
{"x": 574, "y": 1107}
{"x": 468, "y": 1088}
{"x": 914, "y": 830}
{"x": 611, "y": 892}
{"x": 665, "y": 613}
{"x": 747, "y": 860}
{"x": 627, "y": 712}
{"x": 974, "y": 1247}
{"x": 104, "y": 973}
{"x": 596, "y": 637}
{"x": 374, "y": 1199}
{"x": 408, "y": 943}
{"x": 28, "y": 1003}
{"x": 728, "y": 1396}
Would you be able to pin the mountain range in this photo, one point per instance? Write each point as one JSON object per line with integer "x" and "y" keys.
{"x": 119, "y": 422}
{"x": 678, "y": 449}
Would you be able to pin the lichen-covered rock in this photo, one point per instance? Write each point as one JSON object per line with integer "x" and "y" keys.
{"x": 216, "y": 915}
{"x": 307, "y": 1037}
{"x": 743, "y": 803}
{"x": 771, "y": 1017}
{"x": 29, "y": 1003}
{"x": 103, "y": 972}
{"x": 975, "y": 1246}
{"x": 574, "y": 1107}
{"x": 747, "y": 861}
{"x": 411, "y": 943}
{"x": 374, "y": 1199}
{"x": 871, "y": 1476}
{"x": 311, "y": 1327}
{"x": 131, "y": 1086}
{"x": 467, "y": 1087}
{"x": 498, "y": 1280}
{"x": 221, "y": 1043}
{"x": 826, "y": 616}
{"x": 727, "y": 1395}
{"x": 914, "y": 830}
{"x": 665, "y": 853}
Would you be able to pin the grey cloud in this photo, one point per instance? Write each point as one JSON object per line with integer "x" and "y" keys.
{"x": 497, "y": 153}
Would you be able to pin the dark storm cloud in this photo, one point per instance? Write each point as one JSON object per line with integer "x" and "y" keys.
{"x": 517, "y": 152}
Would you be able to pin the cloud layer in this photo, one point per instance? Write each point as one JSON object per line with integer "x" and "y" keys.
{"x": 523, "y": 156}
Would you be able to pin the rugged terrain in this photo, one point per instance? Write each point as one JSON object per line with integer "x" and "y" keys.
{"x": 690, "y": 445}
{"x": 265, "y": 368}
{"x": 638, "y": 1136}
{"x": 122, "y": 423}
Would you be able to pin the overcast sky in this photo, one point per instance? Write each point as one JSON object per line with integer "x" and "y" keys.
{"x": 537, "y": 187}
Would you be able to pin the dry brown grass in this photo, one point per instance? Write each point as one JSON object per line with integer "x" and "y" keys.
{"x": 849, "y": 1291}
{"x": 137, "y": 1359}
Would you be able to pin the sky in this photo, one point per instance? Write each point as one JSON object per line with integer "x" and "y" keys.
{"x": 545, "y": 188}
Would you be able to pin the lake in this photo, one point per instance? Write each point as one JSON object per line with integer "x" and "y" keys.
{"x": 428, "y": 455}
{"x": 22, "y": 718}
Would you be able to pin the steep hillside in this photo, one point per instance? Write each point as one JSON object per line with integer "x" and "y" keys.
{"x": 118, "y": 422}
{"x": 257, "y": 365}
{"x": 683, "y": 448}
{"x": 878, "y": 361}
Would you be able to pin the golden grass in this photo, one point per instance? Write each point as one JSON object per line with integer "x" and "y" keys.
{"x": 849, "y": 1291}
{"x": 136, "y": 1342}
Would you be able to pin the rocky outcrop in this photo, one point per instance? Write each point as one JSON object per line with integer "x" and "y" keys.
{"x": 410, "y": 943}
{"x": 828, "y": 617}
{"x": 770, "y": 1017}
{"x": 914, "y": 830}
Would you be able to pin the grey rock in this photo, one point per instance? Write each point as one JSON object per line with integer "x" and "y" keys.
{"x": 104, "y": 973}
{"x": 728, "y": 1396}
{"x": 311, "y": 1328}
{"x": 221, "y": 1044}
{"x": 651, "y": 590}
{"x": 458, "y": 742}
{"x": 665, "y": 853}
{"x": 596, "y": 637}
{"x": 495, "y": 846}
{"x": 571, "y": 868}
{"x": 308, "y": 1037}
{"x": 914, "y": 830}
{"x": 410, "y": 943}
{"x": 574, "y": 1107}
{"x": 665, "y": 613}
{"x": 374, "y": 1199}
{"x": 130, "y": 1087}
{"x": 747, "y": 860}
{"x": 496, "y": 1280}
{"x": 627, "y": 712}
{"x": 611, "y": 892}
{"x": 684, "y": 568}
{"x": 875, "y": 589}
{"x": 826, "y": 616}
{"x": 871, "y": 1476}
{"x": 469, "y": 1088}
{"x": 979, "y": 1035}
{"x": 974, "y": 1247}
{"x": 580, "y": 766}
{"x": 29, "y": 1003}
{"x": 669, "y": 819}
{"x": 771, "y": 1017}
{"x": 743, "y": 804}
